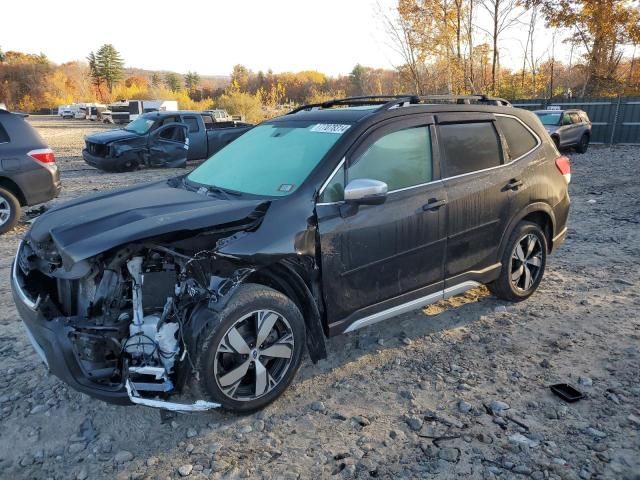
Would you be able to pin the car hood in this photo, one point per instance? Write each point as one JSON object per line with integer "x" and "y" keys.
{"x": 90, "y": 225}
{"x": 109, "y": 136}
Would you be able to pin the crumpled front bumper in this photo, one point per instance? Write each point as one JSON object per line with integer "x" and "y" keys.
{"x": 50, "y": 339}
{"x": 101, "y": 163}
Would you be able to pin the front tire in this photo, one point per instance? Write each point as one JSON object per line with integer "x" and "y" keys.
{"x": 249, "y": 356}
{"x": 9, "y": 211}
{"x": 583, "y": 144}
{"x": 523, "y": 263}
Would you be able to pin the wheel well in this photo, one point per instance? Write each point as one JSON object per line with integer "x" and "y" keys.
{"x": 13, "y": 188}
{"x": 543, "y": 220}
{"x": 288, "y": 282}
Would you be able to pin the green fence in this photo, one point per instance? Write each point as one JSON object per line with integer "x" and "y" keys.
{"x": 615, "y": 119}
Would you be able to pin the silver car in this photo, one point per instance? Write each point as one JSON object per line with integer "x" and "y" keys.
{"x": 568, "y": 128}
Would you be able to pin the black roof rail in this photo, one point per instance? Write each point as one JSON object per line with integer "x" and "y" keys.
{"x": 387, "y": 102}
{"x": 355, "y": 102}
{"x": 467, "y": 99}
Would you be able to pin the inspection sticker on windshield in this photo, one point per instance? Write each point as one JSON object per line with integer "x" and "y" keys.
{"x": 336, "y": 128}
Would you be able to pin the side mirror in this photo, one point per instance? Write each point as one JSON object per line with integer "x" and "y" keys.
{"x": 365, "y": 191}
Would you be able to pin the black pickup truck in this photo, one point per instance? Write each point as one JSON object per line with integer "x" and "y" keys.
{"x": 160, "y": 139}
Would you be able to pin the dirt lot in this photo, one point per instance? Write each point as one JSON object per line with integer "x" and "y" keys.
{"x": 409, "y": 398}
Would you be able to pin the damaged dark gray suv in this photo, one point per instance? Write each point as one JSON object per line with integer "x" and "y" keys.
{"x": 317, "y": 223}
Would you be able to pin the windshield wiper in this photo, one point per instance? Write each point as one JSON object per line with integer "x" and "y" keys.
{"x": 219, "y": 191}
{"x": 222, "y": 191}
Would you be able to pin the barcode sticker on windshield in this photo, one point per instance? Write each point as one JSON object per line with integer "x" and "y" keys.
{"x": 336, "y": 128}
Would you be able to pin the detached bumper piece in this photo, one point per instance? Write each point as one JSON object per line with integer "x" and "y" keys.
{"x": 198, "y": 406}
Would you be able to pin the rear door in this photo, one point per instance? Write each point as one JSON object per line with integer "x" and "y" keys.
{"x": 477, "y": 188}
{"x": 169, "y": 146}
{"x": 373, "y": 254}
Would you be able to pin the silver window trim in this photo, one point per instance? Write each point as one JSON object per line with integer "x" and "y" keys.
{"x": 535, "y": 135}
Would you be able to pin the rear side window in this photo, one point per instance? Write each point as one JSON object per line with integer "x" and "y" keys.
{"x": 519, "y": 139}
{"x": 192, "y": 123}
{"x": 400, "y": 159}
{"x": 575, "y": 118}
{"x": 208, "y": 121}
{"x": 4, "y": 136}
{"x": 469, "y": 147}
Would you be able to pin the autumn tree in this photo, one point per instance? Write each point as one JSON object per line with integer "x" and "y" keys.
{"x": 240, "y": 76}
{"x": 602, "y": 27}
{"x": 504, "y": 14}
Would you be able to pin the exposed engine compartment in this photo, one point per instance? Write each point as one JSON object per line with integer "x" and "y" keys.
{"x": 127, "y": 311}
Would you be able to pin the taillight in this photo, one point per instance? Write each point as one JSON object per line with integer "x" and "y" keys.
{"x": 43, "y": 155}
{"x": 564, "y": 165}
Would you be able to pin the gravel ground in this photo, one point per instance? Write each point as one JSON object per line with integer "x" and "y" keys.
{"x": 458, "y": 389}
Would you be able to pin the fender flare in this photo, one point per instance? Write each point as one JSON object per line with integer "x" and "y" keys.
{"x": 287, "y": 280}
{"x": 531, "y": 208}
{"x": 281, "y": 277}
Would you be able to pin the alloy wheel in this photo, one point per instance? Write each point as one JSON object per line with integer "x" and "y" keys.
{"x": 5, "y": 211}
{"x": 526, "y": 262}
{"x": 254, "y": 355}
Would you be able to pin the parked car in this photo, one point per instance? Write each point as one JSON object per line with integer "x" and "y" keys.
{"x": 312, "y": 224}
{"x": 2, "y": 106}
{"x": 160, "y": 139}
{"x": 568, "y": 128}
{"x": 28, "y": 172}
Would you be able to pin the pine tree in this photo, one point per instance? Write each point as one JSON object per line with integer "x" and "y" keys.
{"x": 172, "y": 82}
{"x": 191, "y": 81}
{"x": 108, "y": 65}
{"x": 155, "y": 80}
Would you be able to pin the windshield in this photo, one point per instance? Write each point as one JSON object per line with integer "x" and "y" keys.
{"x": 140, "y": 125}
{"x": 549, "y": 118}
{"x": 270, "y": 159}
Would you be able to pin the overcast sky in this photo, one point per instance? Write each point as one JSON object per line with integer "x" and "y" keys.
{"x": 211, "y": 36}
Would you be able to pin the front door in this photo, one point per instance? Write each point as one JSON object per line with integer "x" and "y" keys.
{"x": 375, "y": 256}
{"x": 168, "y": 146}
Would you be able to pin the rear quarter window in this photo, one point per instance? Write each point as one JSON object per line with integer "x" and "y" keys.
{"x": 469, "y": 147}
{"x": 519, "y": 139}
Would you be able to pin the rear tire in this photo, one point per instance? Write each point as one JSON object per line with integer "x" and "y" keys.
{"x": 583, "y": 144}
{"x": 9, "y": 211}
{"x": 523, "y": 263}
{"x": 249, "y": 356}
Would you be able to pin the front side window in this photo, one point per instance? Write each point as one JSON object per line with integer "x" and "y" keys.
{"x": 519, "y": 139}
{"x": 400, "y": 159}
{"x": 271, "y": 159}
{"x": 469, "y": 147}
{"x": 174, "y": 134}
